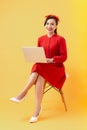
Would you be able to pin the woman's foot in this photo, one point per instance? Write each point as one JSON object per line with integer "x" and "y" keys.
{"x": 35, "y": 117}
{"x": 14, "y": 99}
{"x": 19, "y": 98}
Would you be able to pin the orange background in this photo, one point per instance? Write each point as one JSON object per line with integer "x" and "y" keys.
{"x": 21, "y": 23}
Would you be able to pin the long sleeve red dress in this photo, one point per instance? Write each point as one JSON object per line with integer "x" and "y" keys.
{"x": 54, "y": 47}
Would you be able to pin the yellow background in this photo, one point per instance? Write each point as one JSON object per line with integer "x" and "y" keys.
{"x": 21, "y": 23}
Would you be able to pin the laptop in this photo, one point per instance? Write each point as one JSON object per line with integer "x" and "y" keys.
{"x": 34, "y": 54}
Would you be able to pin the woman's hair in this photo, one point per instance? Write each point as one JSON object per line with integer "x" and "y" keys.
{"x": 52, "y": 17}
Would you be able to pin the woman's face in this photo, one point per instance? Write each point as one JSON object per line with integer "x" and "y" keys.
{"x": 50, "y": 26}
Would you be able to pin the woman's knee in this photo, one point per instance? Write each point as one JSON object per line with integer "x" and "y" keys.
{"x": 40, "y": 81}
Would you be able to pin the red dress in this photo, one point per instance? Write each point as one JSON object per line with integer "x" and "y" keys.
{"x": 54, "y": 47}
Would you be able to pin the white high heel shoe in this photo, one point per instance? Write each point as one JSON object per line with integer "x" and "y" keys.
{"x": 14, "y": 99}
{"x": 34, "y": 119}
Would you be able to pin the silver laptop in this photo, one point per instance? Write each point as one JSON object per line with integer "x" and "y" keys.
{"x": 34, "y": 54}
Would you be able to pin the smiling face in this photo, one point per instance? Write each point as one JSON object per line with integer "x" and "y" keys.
{"x": 50, "y": 26}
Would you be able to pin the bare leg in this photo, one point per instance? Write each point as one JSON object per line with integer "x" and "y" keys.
{"x": 31, "y": 81}
{"x": 39, "y": 88}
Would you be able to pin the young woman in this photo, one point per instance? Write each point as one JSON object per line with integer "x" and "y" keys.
{"x": 53, "y": 71}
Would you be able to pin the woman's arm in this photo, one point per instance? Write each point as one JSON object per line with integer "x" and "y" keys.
{"x": 62, "y": 52}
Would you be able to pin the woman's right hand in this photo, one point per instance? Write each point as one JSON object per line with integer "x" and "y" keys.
{"x": 49, "y": 60}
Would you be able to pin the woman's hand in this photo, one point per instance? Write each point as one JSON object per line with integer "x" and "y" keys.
{"x": 49, "y": 60}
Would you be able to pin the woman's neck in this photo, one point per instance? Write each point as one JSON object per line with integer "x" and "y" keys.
{"x": 50, "y": 34}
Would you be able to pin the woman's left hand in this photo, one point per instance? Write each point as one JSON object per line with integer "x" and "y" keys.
{"x": 49, "y": 60}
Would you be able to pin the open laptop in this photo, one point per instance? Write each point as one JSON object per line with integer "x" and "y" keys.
{"x": 34, "y": 54}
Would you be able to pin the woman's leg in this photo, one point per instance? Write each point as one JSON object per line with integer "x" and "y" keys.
{"x": 39, "y": 89}
{"x": 31, "y": 81}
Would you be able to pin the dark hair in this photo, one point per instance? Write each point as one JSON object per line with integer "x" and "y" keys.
{"x": 51, "y": 17}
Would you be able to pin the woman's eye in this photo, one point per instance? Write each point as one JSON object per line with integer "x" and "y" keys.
{"x": 47, "y": 24}
{"x": 52, "y": 23}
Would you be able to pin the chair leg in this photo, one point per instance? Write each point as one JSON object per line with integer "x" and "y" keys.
{"x": 47, "y": 89}
{"x": 63, "y": 100}
{"x": 61, "y": 93}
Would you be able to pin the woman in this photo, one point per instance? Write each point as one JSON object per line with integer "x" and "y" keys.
{"x": 53, "y": 71}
